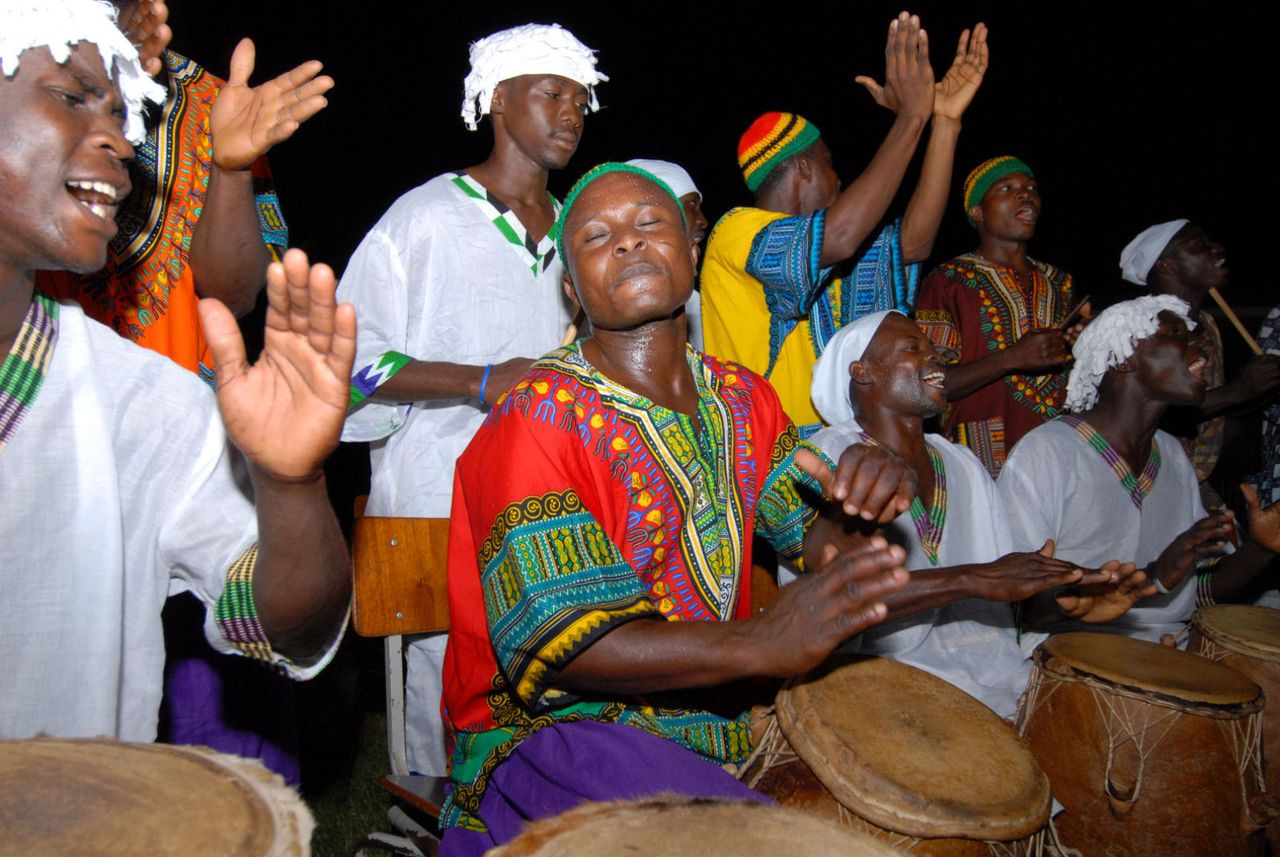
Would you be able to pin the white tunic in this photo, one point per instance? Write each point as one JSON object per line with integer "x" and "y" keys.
{"x": 436, "y": 280}
{"x": 970, "y": 643}
{"x": 1056, "y": 486}
{"x": 119, "y": 489}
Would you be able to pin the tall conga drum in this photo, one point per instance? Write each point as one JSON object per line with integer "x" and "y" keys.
{"x": 681, "y": 827}
{"x": 100, "y": 798}
{"x": 893, "y": 751}
{"x": 1151, "y": 751}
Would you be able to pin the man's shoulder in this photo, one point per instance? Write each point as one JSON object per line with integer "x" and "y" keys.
{"x": 740, "y": 225}
{"x": 1052, "y": 273}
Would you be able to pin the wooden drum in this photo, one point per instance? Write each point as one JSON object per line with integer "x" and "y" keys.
{"x": 1149, "y": 749}
{"x": 102, "y": 798}
{"x": 681, "y": 827}
{"x": 894, "y": 751}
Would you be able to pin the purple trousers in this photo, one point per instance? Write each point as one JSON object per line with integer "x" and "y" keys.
{"x": 561, "y": 766}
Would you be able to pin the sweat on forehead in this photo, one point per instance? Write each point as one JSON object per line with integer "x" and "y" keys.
{"x": 60, "y": 25}
{"x": 591, "y": 175}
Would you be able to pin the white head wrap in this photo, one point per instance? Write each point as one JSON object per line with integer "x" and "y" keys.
{"x": 527, "y": 49}
{"x": 60, "y": 25}
{"x": 830, "y": 387}
{"x": 1139, "y": 257}
{"x": 680, "y": 182}
{"x": 1109, "y": 340}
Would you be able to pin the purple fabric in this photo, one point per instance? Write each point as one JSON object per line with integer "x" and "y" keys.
{"x": 561, "y": 766}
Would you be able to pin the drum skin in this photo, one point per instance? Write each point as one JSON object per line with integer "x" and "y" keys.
{"x": 681, "y": 827}
{"x": 891, "y": 749}
{"x": 1175, "y": 725}
{"x": 101, "y": 798}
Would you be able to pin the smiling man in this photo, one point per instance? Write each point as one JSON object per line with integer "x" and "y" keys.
{"x": 459, "y": 288}
{"x": 1105, "y": 482}
{"x": 122, "y": 480}
{"x": 599, "y": 585}
{"x": 996, "y": 312}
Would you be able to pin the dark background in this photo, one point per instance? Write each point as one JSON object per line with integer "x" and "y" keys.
{"x": 1128, "y": 118}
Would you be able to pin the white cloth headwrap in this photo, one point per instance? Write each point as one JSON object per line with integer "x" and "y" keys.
{"x": 1139, "y": 257}
{"x": 1110, "y": 338}
{"x": 676, "y": 177}
{"x": 527, "y": 49}
{"x": 829, "y": 389}
{"x": 60, "y": 25}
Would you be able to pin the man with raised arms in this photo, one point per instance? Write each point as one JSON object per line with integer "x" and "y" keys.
{"x": 878, "y": 381}
{"x": 458, "y": 288}
{"x": 123, "y": 479}
{"x": 1105, "y": 482}
{"x": 773, "y": 287}
{"x": 598, "y": 586}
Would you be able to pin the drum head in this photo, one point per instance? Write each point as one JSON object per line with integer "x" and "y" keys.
{"x": 680, "y": 827}
{"x": 1148, "y": 667}
{"x": 1252, "y": 631}
{"x": 912, "y": 753}
{"x": 111, "y": 799}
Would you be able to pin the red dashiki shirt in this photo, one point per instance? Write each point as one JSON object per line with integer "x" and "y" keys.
{"x": 579, "y": 506}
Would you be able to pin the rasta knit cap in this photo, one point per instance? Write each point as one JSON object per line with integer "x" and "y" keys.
{"x": 985, "y": 175}
{"x": 769, "y": 141}
{"x": 590, "y": 176}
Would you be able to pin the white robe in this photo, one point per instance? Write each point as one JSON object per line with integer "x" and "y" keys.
{"x": 1056, "y": 486}
{"x": 119, "y": 489}
{"x": 970, "y": 643}
{"x": 435, "y": 280}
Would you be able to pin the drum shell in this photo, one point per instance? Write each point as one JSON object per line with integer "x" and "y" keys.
{"x": 1189, "y": 798}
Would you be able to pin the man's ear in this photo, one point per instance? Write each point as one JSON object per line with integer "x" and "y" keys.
{"x": 570, "y": 292}
{"x": 694, "y": 252}
{"x": 1125, "y": 365}
{"x": 805, "y": 166}
{"x": 975, "y": 213}
{"x": 860, "y": 372}
{"x": 495, "y": 103}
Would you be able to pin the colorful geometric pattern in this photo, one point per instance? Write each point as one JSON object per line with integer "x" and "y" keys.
{"x": 22, "y": 373}
{"x": 373, "y": 376}
{"x": 235, "y": 613}
{"x": 985, "y": 175}
{"x": 928, "y": 525}
{"x": 769, "y": 141}
{"x": 538, "y": 255}
{"x": 1138, "y": 487}
{"x": 985, "y": 438}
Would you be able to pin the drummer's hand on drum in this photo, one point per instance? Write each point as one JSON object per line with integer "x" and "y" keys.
{"x": 1205, "y": 538}
{"x": 820, "y": 611}
{"x": 870, "y": 482}
{"x": 1264, "y": 523}
{"x": 1102, "y": 602}
{"x": 1016, "y": 576}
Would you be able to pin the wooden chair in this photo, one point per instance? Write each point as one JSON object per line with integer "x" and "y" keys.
{"x": 399, "y": 575}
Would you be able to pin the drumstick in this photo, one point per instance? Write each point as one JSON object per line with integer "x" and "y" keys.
{"x": 571, "y": 332}
{"x": 1234, "y": 319}
{"x": 1075, "y": 311}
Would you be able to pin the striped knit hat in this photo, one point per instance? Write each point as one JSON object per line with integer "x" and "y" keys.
{"x": 985, "y": 175}
{"x": 769, "y": 141}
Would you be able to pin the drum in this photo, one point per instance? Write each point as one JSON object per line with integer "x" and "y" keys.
{"x": 1149, "y": 749}
{"x": 99, "y": 797}
{"x": 682, "y": 827}
{"x": 894, "y": 751}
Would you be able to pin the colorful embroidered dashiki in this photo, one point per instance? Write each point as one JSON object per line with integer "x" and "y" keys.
{"x": 971, "y": 308}
{"x": 147, "y": 291}
{"x": 971, "y": 643}
{"x": 580, "y": 506}
{"x": 1065, "y": 482}
{"x": 1202, "y": 440}
{"x": 1267, "y": 480}
{"x": 119, "y": 488}
{"x": 769, "y": 305}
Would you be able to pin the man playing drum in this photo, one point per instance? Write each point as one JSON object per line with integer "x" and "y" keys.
{"x": 878, "y": 381}
{"x": 123, "y": 479}
{"x": 1105, "y": 482}
{"x": 602, "y": 524}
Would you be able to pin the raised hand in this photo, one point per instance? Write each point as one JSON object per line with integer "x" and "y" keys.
{"x": 908, "y": 78}
{"x": 1264, "y": 523}
{"x": 1205, "y": 538}
{"x": 285, "y": 412}
{"x": 145, "y": 28}
{"x": 1261, "y": 376}
{"x": 1102, "y": 602}
{"x": 824, "y": 608}
{"x": 1016, "y": 576}
{"x": 870, "y": 482}
{"x": 246, "y": 122}
{"x": 953, "y": 94}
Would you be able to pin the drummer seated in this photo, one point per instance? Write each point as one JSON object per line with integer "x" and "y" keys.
{"x": 877, "y": 382}
{"x": 600, "y": 545}
{"x": 123, "y": 479}
{"x": 1106, "y": 482}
